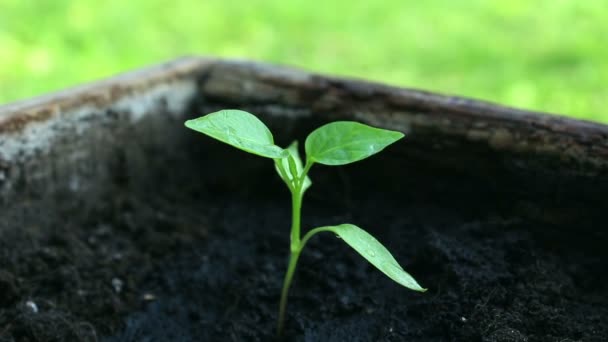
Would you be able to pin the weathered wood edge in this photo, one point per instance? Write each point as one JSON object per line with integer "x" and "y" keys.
{"x": 14, "y": 117}
{"x": 417, "y": 112}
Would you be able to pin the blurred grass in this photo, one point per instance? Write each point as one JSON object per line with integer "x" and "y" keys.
{"x": 549, "y": 55}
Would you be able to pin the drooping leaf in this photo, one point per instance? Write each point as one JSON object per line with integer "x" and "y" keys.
{"x": 344, "y": 142}
{"x": 374, "y": 252}
{"x": 285, "y": 167}
{"x": 239, "y": 129}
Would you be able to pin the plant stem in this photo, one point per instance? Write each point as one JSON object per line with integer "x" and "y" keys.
{"x": 296, "y": 244}
{"x": 293, "y": 261}
{"x": 312, "y": 232}
{"x": 296, "y": 208}
{"x": 306, "y": 169}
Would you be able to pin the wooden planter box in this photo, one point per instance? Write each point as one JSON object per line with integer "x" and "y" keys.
{"x": 118, "y": 224}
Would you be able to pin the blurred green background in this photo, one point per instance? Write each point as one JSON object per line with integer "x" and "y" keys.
{"x": 549, "y": 55}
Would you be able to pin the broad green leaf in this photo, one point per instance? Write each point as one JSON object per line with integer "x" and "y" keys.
{"x": 285, "y": 167}
{"x": 375, "y": 253}
{"x": 344, "y": 142}
{"x": 239, "y": 129}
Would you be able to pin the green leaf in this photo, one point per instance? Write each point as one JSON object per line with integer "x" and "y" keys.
{"x": 287, "y": 166}
{"x": 344, "y": 142}
{"x": 239, "y": 129}
{"x": 283, "y": 172}
{"x": 374, "y": 252}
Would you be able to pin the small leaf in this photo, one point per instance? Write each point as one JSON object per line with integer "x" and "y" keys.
{"x": 239, "y": 129}
{"x": 344, "y": 142}
{"x": 285, "y": 167}
{"x": 283, "y": 172}
{"x": 375, "y": 253}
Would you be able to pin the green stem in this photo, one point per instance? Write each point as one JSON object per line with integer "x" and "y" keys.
{"x": 293, "y": 261}
{"x": 296, "y": 244}
{"x": 313, "y": 232}
{"x": 305, "y": 171}
{"x": 296, "y": 208}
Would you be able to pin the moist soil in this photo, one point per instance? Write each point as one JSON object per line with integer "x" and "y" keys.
{"x": 181, "y": 266}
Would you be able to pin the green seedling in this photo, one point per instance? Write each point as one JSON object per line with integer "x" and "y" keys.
{"x": 336, "y": 143}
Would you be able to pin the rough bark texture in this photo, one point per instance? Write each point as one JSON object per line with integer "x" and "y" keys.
{"x": 449, "y": 132}
{"x": 421, "y": 114}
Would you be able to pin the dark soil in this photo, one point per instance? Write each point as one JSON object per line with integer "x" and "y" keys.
{"x": 188, "y": 267}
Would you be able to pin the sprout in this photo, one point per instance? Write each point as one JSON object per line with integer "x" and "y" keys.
{"x": 336, "y": 143}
